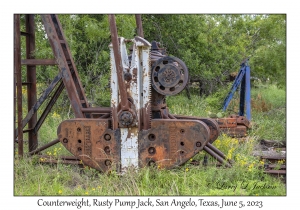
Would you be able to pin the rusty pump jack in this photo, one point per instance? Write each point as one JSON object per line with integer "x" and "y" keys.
{"x": 137, "y": 130}
{"x": 140, "y": 130}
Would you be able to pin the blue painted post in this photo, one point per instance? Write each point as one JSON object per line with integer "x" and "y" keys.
{"x": 243, "y": 80}
{"x": 248, "y": 93}
{"x": 242, "y": 93}
{"x": 234, "y": 87}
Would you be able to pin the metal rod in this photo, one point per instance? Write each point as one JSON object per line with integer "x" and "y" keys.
{"x": 248, "y": 93}
{"x": 44, "y": 147}
{"x": 49, "y": 106}
{"x": 31, "y": 78}
{"x": 27, "y": 130}
{"x": 26, "y": 83}
{"x": 18, "y": 72}
{"x": 24, "y": 33}
{"x": 69, "y": 158}
{"x": 242, "y": 95}
{"x": 71, "y": 162}
{"x": 213, "y": 148}
{"x": 138, "y": 19}
{"x": 215, "y": 155}
{"x": 105, "y": 115}
{"x": 14, "y": 108}
{"x": 34, "y": 108}
{"x": 171, "y": 116}
{"x": 119, "y": 65}
{"x": 38, "y": 62}
{"x": 96, "y": 110}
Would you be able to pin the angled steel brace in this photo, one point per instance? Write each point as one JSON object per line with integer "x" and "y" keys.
{"x": 39, "y": 102}
{"x": 243, "y": 79}
{"x": 66, "y": 64}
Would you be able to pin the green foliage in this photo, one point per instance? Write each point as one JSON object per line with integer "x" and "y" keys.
{"x": 213, "y": 46}
{"x": 269, "y": 58}
{"x": 89, "y": 38}
{"x": 270, "y": 123}
{"x": 33, "y": 178}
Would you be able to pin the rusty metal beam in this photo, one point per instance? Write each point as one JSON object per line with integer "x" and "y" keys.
{"x": 49, "y": 107}
{"x": 36, "y": 151}
{"x": 102, "y": 110}
{"x": 26, "y": 83}
{"x": 273, "y": 158}
{"x": 14, "y": 108}
{"x": 69, "y": 158}
{"x": 63, "y": 160}
{"x": 215, "y": 155}
{"x": 35, "y": 62}
{"x": 276, "y": 172}
{"x": 31, "y": 79}
{"x": 71, "y": 63}
{"x": 119, "y": 65}
{"x": 24, "y": 33}
{"x": 138, "y": 19}
{"x": 214, "y": 149}
{"x": 66, "y": 64}
{"x": 17, "y": 69}
{"x": 32, "y": 112}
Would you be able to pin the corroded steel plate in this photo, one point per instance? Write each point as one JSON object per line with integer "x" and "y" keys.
{"x": 171, "y": 142}
{"x": 241, "y": 120}
{"x": 238, "y": 131}
{"x": 226, "y": 122}
{"x": 91, "y": 141}
{"x": 211, "y": 123}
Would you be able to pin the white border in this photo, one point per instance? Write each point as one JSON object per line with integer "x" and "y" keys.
{"x": 8, "y": 8}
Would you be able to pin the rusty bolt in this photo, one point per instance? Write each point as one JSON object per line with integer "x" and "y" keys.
{"x": 107, "y": 150}
{"x": 198, "y": 144}
{"x": 107, "y": 137}
{"x": 127, "y": 76}
{"x": 107, "y": 162}
{"x": 151, "y": 137}
{"x": 151, "y": 150}
{"x": 65, "y": 140}
{"x": 126, "y": 118}
{"x": 151, "y": 163}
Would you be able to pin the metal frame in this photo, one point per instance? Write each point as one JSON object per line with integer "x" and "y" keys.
{"x": 68, "y": 78}
{"x": 242, "y": 80}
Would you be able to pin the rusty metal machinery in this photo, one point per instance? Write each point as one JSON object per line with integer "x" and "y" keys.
{"x": 137, "y": 130}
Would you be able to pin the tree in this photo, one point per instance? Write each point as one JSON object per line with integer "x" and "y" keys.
{"x": 213, "y": 46}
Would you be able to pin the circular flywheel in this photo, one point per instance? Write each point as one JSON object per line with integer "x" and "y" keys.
{"x": 169, "y": 75}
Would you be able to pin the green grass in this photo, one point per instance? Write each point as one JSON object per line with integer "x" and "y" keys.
{"x": 271, "y": 122}
{"x": 32, "y": 177}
